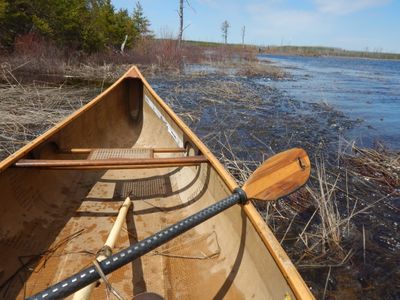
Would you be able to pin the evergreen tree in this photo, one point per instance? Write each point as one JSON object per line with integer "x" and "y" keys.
{"x": 91, "y": 25}
{"x": 3, "y": 5}
{"x": 141, "y": 23}
{"x": 225, "y": 27}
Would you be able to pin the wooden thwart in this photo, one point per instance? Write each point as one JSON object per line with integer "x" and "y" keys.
{"x": 83, "y": 164}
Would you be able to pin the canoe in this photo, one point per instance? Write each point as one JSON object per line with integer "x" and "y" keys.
{"x": 61, "y": 193}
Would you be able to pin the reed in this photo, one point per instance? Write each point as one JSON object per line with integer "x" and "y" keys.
{"x": 379, "y": 166}
{"x": 324, "y": 198}
{"x": 29, "y": 110}
{"x": 319, "y": 226}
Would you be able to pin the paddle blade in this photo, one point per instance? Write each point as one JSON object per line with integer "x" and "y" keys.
{"x": 279, "y": 175}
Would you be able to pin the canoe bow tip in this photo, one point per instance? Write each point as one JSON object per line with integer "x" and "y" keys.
{"x": 132, "y": 73}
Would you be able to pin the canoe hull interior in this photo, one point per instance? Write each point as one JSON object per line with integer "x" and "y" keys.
{"x": 53, "y": 221}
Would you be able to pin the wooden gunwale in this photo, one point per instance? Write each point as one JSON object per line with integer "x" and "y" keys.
{"x": 292, "y": 276}
{"x": 56, "y": 128}
{"x": 287, "y": 268}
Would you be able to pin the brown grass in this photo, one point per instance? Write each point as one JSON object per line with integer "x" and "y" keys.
{"x": 38, "y": 57}
{"x": 29, "y": 110}
{"x": 380, "y": 166}
{"x": 251, "y": 69}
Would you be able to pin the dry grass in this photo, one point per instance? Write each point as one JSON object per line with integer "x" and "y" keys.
{"x": 379, "y": 166}
{"x": 326, "y": 206}
{"x": 29, "y": 110}
{"x": 161, "y": 56}
{"x": 251, "y": 69}
{"x": 319, "y": 225}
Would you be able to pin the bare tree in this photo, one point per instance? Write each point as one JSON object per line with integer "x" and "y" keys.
{"x": 224, "y": 27}
{"x": 180, "y": 14}
{"x": 243, "y": 34}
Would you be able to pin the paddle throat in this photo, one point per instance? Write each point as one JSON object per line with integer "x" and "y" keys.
{"x": 242, "y": 195}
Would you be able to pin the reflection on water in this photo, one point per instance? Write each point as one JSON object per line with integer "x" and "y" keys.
{"x": 364, "y": 89}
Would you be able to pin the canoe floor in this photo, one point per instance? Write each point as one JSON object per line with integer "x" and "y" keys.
{"x": 167, "y": 270}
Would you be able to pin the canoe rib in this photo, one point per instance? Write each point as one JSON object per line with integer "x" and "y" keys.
{"x": 111, "y": 163}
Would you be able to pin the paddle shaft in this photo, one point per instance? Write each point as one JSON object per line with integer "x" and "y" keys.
{"x": 117, "y": 260}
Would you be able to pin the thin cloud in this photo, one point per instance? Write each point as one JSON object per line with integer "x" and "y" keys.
{"x": 282, "y": 20}
{"x": 343, "y": 7}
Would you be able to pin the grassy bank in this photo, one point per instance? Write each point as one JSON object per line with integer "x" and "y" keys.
{"x": 327, "y": 51}
{"x": 44, "y": 61}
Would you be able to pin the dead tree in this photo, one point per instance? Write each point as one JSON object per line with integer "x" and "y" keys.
{"x": 180, "y": 14}
{"x": 224, "y": 27}
{"x": 243, "y": 33}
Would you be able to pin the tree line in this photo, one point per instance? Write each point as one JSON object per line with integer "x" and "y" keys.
{"x": 88, "y": 25}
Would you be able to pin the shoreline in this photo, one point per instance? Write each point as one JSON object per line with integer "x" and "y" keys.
{"x": 328, "y": 51}
{"x": 331, "y": 56}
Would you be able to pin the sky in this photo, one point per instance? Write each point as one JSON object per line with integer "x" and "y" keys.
{"x": 372, "y": 25}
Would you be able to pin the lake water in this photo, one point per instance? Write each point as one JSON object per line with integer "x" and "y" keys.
{"x": 244, "y": 119}
{"x": 366, "y": 90}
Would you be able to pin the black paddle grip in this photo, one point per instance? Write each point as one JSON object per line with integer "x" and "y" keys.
{"x": 117, "y": 260}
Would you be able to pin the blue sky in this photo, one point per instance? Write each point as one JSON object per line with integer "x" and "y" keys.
{"x": 349, "y": 24}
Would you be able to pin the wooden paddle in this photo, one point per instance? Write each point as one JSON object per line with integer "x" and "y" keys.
{"x": 278, "y": 176}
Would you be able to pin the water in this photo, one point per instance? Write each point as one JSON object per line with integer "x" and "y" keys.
{"x": 366, "y": 90}
{"x": 254, "y": 116}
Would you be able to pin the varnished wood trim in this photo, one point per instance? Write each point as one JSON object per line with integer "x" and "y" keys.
{"x": 76, "y": 150}
{"x": 229, "y": 180}
{"x": 279, "y": 175}
{"x": 169, "y": 150}
{"x": 287, "y": 268}
{"x": 109, "y": 163}
{"x": 120, "y": 167}
{"x": 56, "y": 128}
